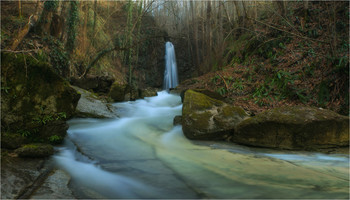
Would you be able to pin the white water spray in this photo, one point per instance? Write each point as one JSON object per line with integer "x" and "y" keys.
{"x": 170, "y": 74}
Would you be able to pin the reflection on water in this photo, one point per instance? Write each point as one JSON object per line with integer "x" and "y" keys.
{"x": 142, "y": 155}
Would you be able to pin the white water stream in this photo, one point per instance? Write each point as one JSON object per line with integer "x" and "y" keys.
{"x": 142, "y": 155}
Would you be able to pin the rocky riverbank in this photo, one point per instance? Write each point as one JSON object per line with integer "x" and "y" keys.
{"x": 293, "y": 128}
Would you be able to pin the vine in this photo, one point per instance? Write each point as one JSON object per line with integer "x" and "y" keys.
{"x": 72, "y": 26}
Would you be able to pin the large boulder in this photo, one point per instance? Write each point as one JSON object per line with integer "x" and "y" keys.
{"x": 206, "y": 118}
{"x": 294, "y": 128}
{"x": 117, "y": 91}
{"x": 99, "y": 84}
{"x": 32, "y": 95}
{"x": 148, "y": 92}
{"x": 90, "y": 105}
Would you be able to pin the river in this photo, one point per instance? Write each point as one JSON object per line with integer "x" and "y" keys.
{"x": 142, "y": 155}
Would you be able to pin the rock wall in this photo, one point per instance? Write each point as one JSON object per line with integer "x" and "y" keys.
{"x": 34, "y": 99}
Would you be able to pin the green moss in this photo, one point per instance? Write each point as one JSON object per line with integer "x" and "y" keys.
{"x": 200, "y": 120}
{"x": 228, "y": 111}
{"x": 199, "y": 101}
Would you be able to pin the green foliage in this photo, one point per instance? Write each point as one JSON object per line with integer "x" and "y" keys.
{"x": 51, "y": 5}
{"x": 6, "y": 89}
{"x": 222, "y": 91}
{"x": 323, "y": 93}
{"x": 43, "y": 120}
{"x": 215, "y": 79}
{"x": 59, "y": 58}
{"x": 55, "y": 139}
{"x": 73, "y": 21}
{"x": 24, "y": 133}
{"x": 238, "y": 84}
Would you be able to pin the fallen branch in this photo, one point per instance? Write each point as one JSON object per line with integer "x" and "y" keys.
{"x": 300, "y": 36}
{"x": 223, "y": 80}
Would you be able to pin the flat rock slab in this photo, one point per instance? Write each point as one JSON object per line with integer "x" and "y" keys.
{"x": 296, "y": 128}
{"x": 89, "y": 105}
{"x": 18, "y": 174}
{"x": 54, "y": 187}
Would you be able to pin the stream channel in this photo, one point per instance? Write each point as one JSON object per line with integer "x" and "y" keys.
{"x": 142, "y": 154}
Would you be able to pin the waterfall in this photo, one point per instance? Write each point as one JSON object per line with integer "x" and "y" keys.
{"x": 170, "y": 74}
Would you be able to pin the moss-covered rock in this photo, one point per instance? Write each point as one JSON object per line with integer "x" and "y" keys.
{"x": 30, "y": 89}
{"x": 117, "y": 92}
{"x": 35, "y": 150}
{"x": 294, "y": 128}
{"x": 207, "y": 118}
{"x": 32, "y": 94}
{"x": 148, "y": 92}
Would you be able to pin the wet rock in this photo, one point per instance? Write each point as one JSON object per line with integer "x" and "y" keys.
{"x": 177, "y": 120}
{"x": 148, "y": 92}
{"x": 54, "y": 187}
{"x": 206, "y": 118}
{"x": 37, "y": 150}
{"x": 12, "y": 140}
{"x": 132, "y": 93}
{"x": 117, "y": 91}
{"x": 19, "y": 173}
{"x": 294, "y": 128}
{"x": 90, "y": 105}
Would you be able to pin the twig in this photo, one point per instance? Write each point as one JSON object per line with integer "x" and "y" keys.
{"x": 22, "y": 51}
{"x": 223, "y": 80}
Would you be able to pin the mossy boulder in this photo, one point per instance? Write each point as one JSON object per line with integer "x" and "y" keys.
{"x": 117, "y": 91}
{"x": 294, "y": 127}
{"x": 31, "y": 90}
{"x": 99, "y": 84}
{"x": 35, "y": 150}
{"x": 148, "y": 92}
{"x": 206, "y": 92}
{"x": 205, "y": 118}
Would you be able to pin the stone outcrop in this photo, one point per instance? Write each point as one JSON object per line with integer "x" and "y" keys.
{"x": 294, "y": 128}
{"x": 98, "y": 84}
{"x": 148, "y": 92}
{"x": 90, "y": 105}
{"x": 33, "y": 97}
{"x": 206, "y": 118}
{"x": 35, "y": 150}
{"x": 117, "y": 92}
{"x": 122, "y": 92}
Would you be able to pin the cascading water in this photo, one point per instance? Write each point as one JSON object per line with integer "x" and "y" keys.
{"x": 143, "y": 155}
{"x": 170, "y": 74}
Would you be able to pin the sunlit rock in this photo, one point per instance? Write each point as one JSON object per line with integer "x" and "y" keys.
{"x": 90, "y": 105}
{"x": 294, "y": 128}
{"x": 207, "y": 118}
